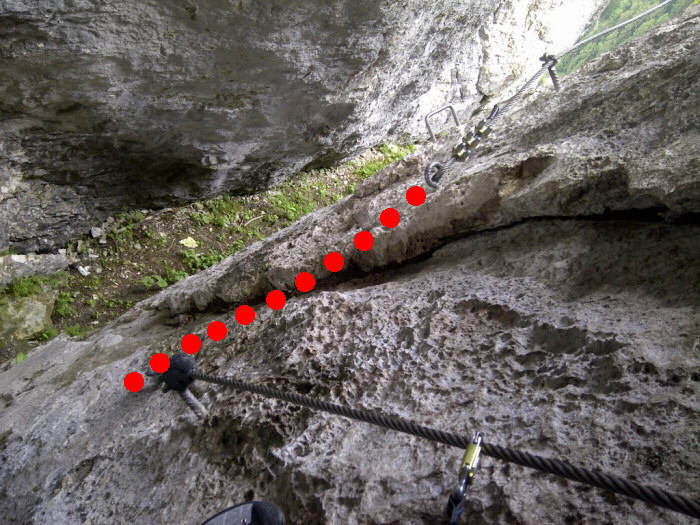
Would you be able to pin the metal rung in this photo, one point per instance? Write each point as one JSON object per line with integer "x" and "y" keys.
{"x": 454, "y": 115}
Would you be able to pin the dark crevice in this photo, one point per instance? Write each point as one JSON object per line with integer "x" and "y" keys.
{"x": 656, "y": 214}
{"x": 686, "y": 218}
{"x": 646, "y": 215}
{"x": 651, "y": 215}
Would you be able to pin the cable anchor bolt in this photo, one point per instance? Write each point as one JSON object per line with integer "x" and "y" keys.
{"x": 470, "y": 463}
{"x": 177, "y": 378}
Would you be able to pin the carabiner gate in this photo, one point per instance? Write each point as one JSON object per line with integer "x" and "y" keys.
{"x": 470, "y": 463}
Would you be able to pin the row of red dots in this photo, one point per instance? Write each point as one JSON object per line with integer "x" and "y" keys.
{"x": 304, "y": 281}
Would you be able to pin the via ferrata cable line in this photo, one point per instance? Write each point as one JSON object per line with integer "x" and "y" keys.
{"x": 436, "y": 170}
{"x": 183, "y": 371}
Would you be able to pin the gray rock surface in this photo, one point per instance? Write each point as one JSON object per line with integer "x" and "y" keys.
{"x": 548, "y": 295}
{"x": 107, "y": 105}
{"x": 18, "y": 266}
{"x": 24, "y": 317}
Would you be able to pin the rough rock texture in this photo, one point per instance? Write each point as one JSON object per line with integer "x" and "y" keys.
{"x": 24, "y": 317}
{"x": 18, "y": 266}
{"x": 106, "y": 105}
{"x": 548, "y": 296}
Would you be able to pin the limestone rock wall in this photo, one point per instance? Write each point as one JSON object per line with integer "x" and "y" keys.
{"x": 125, "y": 104}
{"x": 548, "y": 295}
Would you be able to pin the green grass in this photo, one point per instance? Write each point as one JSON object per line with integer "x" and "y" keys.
{"x": 63, "y": 307}
{"x": 201, "y": 261}
{"x": 123, "y": 233}
{"x": 293, "y": 205}
{"x": 391, "y": 153}
{"x": 615, "y": 12}
{"x": 76, "y": 330}
{"x": 28, "y": 286}
{"x": 173, "y": 275}
{"x": 222, "y": 226}
{"x": 47, "y": 334}
{"x": 150, "y": 280}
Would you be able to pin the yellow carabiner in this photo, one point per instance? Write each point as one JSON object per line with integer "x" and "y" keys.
{"x": 471, "y": 459}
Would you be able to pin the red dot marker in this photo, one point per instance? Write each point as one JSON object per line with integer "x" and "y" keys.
{"x": 364, "y": 241}
{"x": 276, "y": 300}
{"x": 390, "y": 218}
{"x": 133, "y": 381}
{"x": 245, "y": 314}
{"x": 415, "y": 195}
{"x": 216, "y": 330}
{"x": 305, "y": 282}
{"x": 160, "y": 363}
{"x": 334, "y": 262}
{"x": 190, "y": 344}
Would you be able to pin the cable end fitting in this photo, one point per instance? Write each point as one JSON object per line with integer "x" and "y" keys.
{"x": 461, "y": 152}
{"x": 434, "y": 180}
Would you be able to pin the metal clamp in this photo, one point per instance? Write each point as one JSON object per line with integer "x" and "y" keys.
{"x": 470, "y": 463}
{"x": 547, "y": 59}
{"x": 462, "y": 151}
{"x": 454, "y": 116}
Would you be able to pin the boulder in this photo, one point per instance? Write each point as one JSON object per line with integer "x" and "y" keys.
{"x": 19, "y": 266}
{"x": 131, "y": 104}
{"x": 24, "y": 317}
{"x": 546, "y": 295}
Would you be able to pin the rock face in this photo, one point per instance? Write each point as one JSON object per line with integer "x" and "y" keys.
{"x": 18, "y": 266}
{"x": 548, "y": 295}
{"x": 113, "y": 105}
{"x": 26, "y": 316}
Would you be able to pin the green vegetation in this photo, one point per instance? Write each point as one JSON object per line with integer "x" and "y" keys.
{"x": 172, "y": 275}
{"x": 123, "y": 233}
{"x": 149, "y": 281}
{"x": 201, "y": 261}
{"x": 47, "y": 334}
{"x": 391, "y": 153}
{"x": 294, "y": 205}
{"x": 275, "y": 208}
{"x": 618, "y": 11}
{"x": 94, "y": 283}
{"x": 63, "y": 307}
{"x": 75, "y": 330}
{"x": 28, "y": 286}
{"x": 144, "y": 253}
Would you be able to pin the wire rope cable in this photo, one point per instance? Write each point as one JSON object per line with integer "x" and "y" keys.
{"x": 555, "y": 58}
{"x": 614, "y": 28}
{"x": 659, "y": 497}
{"x": 549, "y": 61}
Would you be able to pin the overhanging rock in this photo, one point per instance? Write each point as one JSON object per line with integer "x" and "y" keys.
{"x": 547, "y": 296}
{"x": 132, "y": 104}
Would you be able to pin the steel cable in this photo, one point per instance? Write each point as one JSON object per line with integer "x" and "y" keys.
{"x": 658, "y": 497}
{"x": 512, "y": 100}
{"x": 549, "y": 62}
{"x": 555, "y": 58}
{"x": 611, "y": 29}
